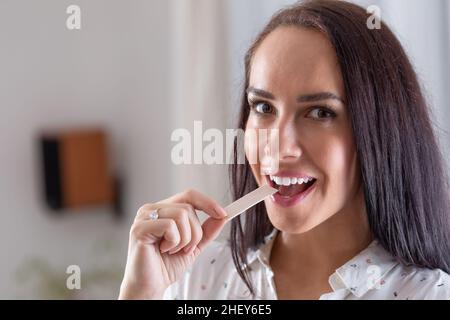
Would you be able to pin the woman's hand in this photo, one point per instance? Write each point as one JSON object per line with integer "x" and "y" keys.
{"x": 161, "y": 250}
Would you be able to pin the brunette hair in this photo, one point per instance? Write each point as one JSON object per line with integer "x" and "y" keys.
{"x": 402, "y": 169}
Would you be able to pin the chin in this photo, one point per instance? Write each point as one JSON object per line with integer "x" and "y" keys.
{"x": 292, "y": 222}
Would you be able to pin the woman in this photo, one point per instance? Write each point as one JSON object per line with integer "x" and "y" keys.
{"x": 362, "y": 210}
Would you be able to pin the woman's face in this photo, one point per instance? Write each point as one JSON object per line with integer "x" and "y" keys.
{"x": 296, "y": 86}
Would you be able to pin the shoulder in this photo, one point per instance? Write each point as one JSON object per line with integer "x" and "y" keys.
{"x": 208, "y": 274}
{"x": 421, "y": 283}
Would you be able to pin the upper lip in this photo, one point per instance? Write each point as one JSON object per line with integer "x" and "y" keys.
{"x": 291, "y": 174}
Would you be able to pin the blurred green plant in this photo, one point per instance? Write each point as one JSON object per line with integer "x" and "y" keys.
{"x": 49, "y": 282}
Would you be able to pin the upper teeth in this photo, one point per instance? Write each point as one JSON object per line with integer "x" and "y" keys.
{"x": 286, "y": 181}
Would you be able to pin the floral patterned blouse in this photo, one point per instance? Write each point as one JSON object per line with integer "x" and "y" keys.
{"x": 372, "y": 274}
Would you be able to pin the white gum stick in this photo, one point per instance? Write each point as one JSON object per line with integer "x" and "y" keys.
{"x": 248, "y": 201}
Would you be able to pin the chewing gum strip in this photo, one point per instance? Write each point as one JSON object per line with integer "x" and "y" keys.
{"x": 248, "y": 201}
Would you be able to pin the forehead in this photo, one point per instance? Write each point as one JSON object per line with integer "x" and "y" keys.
{"x": 296, "y": 59}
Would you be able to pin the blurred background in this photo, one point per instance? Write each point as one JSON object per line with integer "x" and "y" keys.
{"x": 135, "y": 71}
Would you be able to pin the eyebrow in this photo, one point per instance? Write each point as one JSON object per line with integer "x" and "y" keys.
{"x": 302, "y": 98}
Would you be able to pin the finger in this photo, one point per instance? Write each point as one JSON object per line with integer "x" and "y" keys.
{"x": 151, "y": 231}
{"x": 189, "y": 220}
{"x": 145, "y": 210}
{"x": 211, "y": 229}
{"x": 196, "y": 232}
{"x": 200, "y": 202}
{"x": 185, "y": 217}
{"x": 181, "y": 215}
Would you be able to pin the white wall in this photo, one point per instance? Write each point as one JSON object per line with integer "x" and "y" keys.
{"x": 112, "y": 73}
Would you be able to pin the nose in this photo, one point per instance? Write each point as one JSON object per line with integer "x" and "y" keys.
{"x": 289, "y": 148}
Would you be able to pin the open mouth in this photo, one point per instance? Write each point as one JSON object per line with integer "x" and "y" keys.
{"x": 291, "y": 186}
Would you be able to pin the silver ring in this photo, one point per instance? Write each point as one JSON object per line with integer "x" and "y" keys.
{"x": 153, "y": 215}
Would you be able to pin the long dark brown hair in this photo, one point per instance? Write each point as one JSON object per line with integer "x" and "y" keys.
{"x": 404, "y": 179}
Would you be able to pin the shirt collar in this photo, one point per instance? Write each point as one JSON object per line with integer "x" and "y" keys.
{"x": 365, "y": 271}
{"x": 360, "y": 274}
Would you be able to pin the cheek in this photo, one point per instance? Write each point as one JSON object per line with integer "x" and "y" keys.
{"x": 259, "y": 145}
{"x": 250, "y": 145}
{"x": 251, "y": 149}
{"x": 337, "y": 159}
{"x": 251, "y": 141}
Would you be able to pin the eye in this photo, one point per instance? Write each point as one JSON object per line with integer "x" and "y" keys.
{"x": 322, "y": 113}
{"x": 261, "y": 107}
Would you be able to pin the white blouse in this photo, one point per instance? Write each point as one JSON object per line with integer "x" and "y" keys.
{"x": 372, "y": 274}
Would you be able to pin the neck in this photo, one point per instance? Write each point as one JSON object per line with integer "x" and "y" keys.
{"x": 328, "y": 246}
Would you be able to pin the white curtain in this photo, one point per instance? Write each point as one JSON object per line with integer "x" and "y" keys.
{"x": 199, "y": 86}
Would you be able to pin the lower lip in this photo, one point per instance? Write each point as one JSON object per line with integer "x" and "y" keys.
{"x": 284, "y": 201}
